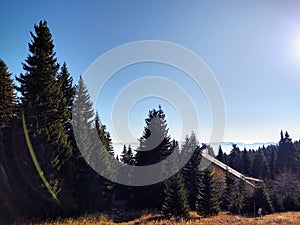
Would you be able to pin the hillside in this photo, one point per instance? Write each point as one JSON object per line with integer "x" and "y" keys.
{"x": 287, "y": 218}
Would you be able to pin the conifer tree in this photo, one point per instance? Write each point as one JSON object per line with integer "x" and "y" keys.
{"x": 272, "y": 161}
{"x": 238, "y": 197}
{"x": 127, "y": 156}
{"x": 126, "y": 192}
{"x": 7, "y": 107}
{"x": 40, "y": 94}
{"x": 246, "y": 168}
{"x": 104, "y": 135}
{"x": 262, "y": 199}
{"x": 67, "y": 92}
{"x": 7, "y": 96}
{"x": 155, "y": 143}
{"x": 191, "y": 170}
{"x": 220, "y": 155}
{"x": 175, "y": 200}
{"x": 260, "y": 168}
{"x": 171, "y": 165}
{"x": 102, "y": 158}
{"x": 235, "y": 159}
{"x": 229, "y": 191}
{"x": 208, "y": 201}
{"x": 87, "y": 132}
{"x": 130, "y": 156}
{"x": 286, "y": 151}
{"x": 124, "y": 154}
{"x": 154, "y": 146}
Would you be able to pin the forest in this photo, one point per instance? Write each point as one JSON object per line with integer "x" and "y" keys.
{"x": 43, "y": 174}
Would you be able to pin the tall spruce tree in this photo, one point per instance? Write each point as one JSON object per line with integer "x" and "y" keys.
{"x": 220, "y": 155}
{"x": 130, "y": 156}
{"x": 7, "y": 106}
{"x": 154, "y": 146}
{"x": 67, "y": 92}
{"x": 229, "y": 191}
{"x": 127, "y": 156}
{"x": 83, "y": 119}
{"x": 104, "y": 135}
{"x": 40, "y": 95}
{"x": 235, "y": 158}
{"x": 191, "y": 171}
{"x": 126, "y": 192}
{"x": 175, "y": 199}
{"x": 286, "y": 149}
{"x": 97, "y": 194}
{"x": 7, "y": 96}
{"x": 260, "y": 168}
{"x": 238, "y": 197}
{"x": 106, "y": 147}
{"x": 262, "y": 199}
{"x": 155, "y": 143}
{"x": 272, "y": 161}
{"x": 247, "y": 164}
{"x": 208, "y": 199}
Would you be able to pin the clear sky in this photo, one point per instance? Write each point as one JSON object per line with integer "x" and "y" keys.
{"x": 253, "y": 48}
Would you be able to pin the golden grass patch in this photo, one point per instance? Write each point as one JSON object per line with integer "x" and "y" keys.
{"x": 155, "y": 218}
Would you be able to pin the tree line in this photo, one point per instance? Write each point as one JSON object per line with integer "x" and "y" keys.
{"x": 43, "y": 173}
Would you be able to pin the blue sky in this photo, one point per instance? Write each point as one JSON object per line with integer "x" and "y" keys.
{"x": 253, "y": 48}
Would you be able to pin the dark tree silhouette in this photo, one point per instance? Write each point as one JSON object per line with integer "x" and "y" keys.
{"x": 208, "y": 199}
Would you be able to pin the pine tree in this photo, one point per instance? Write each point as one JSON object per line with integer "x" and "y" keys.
{"x": 39, "y": 88}
{"x": 106, "y": 145}
{"x": 260, "y": 167}
{"x": 127, "y": 156}
{"x": 154, "y": 146}
{"x": 40, "y": 94}
{"x": 285, "y": 160}
{"x": 86, "y": 129}
{"x": 246, "y": 168}
{"x": 191, "y": 170}
{"x": 82, "y": 121}
{"x": 220, "y": 155}
{"x": 124, "y": 154}
{"x": 171, "y": 165}
{"x": 238, "y": 198}
{"x": 155, "y": 143}
{"x": 126, "y": 192}
{"x": 286, "y": 190}
{"x": 297, "y": 159}
{"x": 229, "y": 190}
{"x": 208, "y": 201}
{"x": 262, "y": 199}
{"x": 104, "y": 135}
{"x": 7, "y": 107}
{"x": 175, "y": 200}
{"x": 235, "y": 159}
{"x": 67, "y": 92}
{"x": 7, "y": 96}
{"x": 272, "y": 161}
{"x": 130, "y": 156}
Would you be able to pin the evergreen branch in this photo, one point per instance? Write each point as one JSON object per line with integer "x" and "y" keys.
{"x": 35, "y": 161}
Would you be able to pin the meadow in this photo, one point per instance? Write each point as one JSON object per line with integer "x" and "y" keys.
{"x": 155, "y": 218}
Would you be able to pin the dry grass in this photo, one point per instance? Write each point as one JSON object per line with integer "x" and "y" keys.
{"x": 155, "y": 218}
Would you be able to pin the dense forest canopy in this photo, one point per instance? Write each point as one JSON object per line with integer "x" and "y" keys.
{"x": 43, "y": 172}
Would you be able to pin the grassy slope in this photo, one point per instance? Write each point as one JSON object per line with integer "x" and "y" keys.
{"x": 223, "y": 218}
